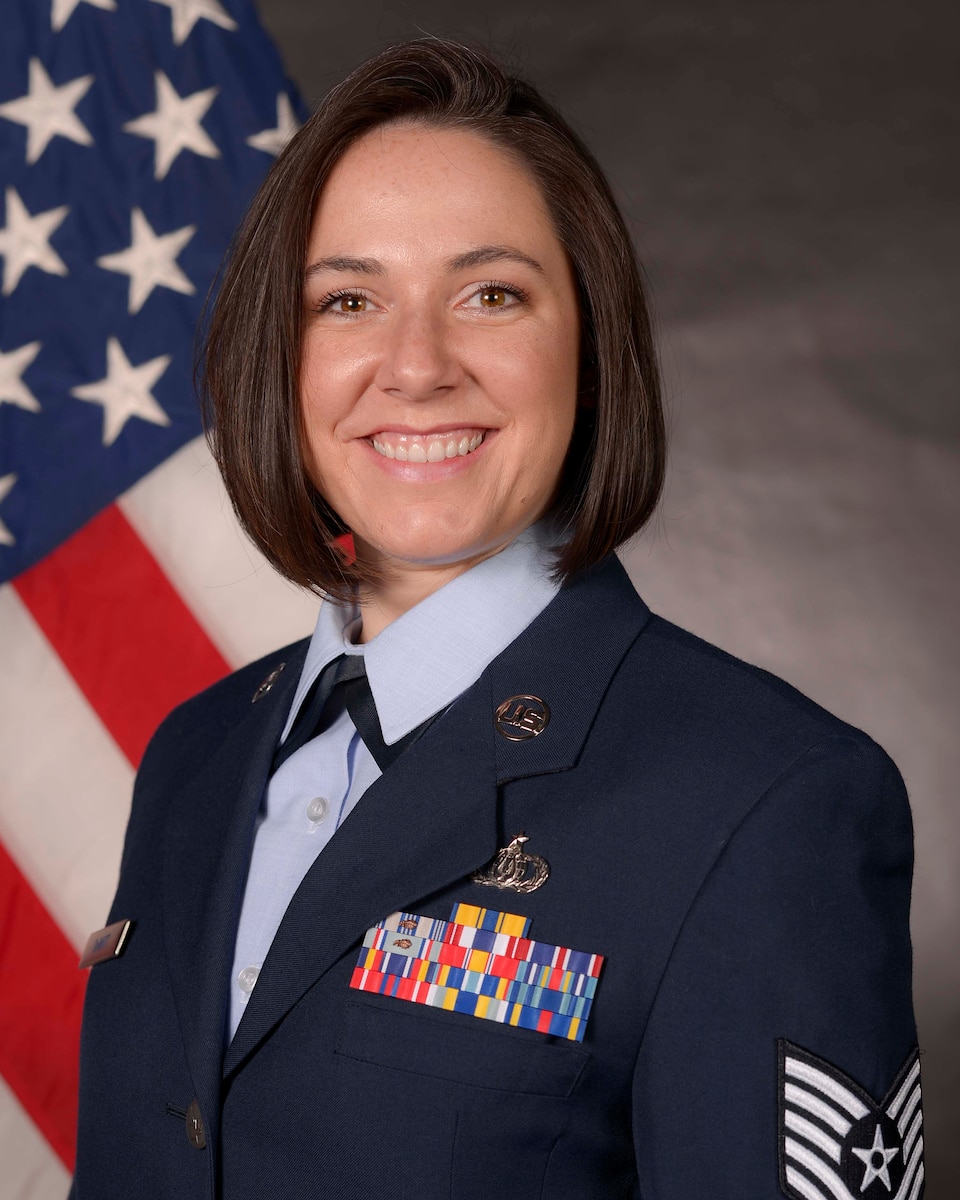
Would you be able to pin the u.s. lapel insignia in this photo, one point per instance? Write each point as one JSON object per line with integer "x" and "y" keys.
{"x": 837, "y": 1142}
{"x": 513, "y": 869}
{"x": 268, "y": 683}
{"x": 481, "y": 962}
{"x": 521, "y": 718}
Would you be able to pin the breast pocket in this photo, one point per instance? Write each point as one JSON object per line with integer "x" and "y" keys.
{"x": 465, "y": 1095}
{"x": 442, "y": 1046}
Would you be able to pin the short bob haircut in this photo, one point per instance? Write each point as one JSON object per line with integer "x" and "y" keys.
{"x": 249, "y": 378}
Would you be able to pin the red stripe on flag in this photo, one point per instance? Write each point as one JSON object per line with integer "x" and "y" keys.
{"x": 41, "y": 999}
{"x": 131, "y": 644}
{"x": 135, "y": 651}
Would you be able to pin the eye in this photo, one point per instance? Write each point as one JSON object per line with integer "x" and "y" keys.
{"x": 496, "y": 295}
{"x": 348, "y": 303}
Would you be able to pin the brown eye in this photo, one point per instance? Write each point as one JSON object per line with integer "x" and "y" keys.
{"x": 493, "y": 297}
{"x": 353, "y": 304}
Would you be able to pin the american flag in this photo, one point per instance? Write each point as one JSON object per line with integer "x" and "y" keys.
{"x": 132, "y": 133}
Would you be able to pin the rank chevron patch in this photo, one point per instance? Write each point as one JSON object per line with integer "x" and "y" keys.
{"x": 837, "y": 1143}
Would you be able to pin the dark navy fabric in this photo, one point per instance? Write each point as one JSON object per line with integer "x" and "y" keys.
{"x": 741, "y": 858}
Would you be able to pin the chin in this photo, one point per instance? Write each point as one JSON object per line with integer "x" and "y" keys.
{"x": 424, "y": 549}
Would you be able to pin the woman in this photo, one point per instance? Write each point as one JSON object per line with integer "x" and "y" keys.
{"x": 607, "y": 912}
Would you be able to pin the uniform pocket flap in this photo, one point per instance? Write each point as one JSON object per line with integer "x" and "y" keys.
{"x": 441, "y": 1046}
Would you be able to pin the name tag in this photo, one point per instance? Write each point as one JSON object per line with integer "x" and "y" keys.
{"x": 106, "y": 944}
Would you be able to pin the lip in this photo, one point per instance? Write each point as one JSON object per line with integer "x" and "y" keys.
{"x": 435, "y": 445}
{"x": 427, "y": 469}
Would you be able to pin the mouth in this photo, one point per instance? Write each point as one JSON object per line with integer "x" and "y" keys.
{"x": 427, "y": 447}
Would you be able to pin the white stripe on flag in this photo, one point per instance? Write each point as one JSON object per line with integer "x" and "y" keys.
{"x": 181, "y": 512}
{"x": 63, "y": 807}
{"x": 31, "y": 1170}
{"x": 824, "y": 1083}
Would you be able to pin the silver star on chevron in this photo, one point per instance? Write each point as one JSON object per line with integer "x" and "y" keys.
{"x": 12, "y": 366}
{"x": 272, "y": 141}
{"x": 125, "y": 391}
{"x": 62, "y": 10}
{"x": 6, "y": 483}
{"x": 175, "y": 124}
{"x": 150, "y": 260}
{"x": 186, "y": 13}
{"x": 25, "y": 241}
{"x": 47, "y": 111}
{"x": 877, "y": 1154}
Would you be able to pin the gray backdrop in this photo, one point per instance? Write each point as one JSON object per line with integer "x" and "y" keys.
{"x": 790, "y": 173}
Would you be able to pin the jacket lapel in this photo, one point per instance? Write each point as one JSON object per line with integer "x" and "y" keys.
{"x": 206, "y": 849}
{"x": 432, "y": 818}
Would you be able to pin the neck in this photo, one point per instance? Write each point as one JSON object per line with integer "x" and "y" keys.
{"x": 400, "y": 591}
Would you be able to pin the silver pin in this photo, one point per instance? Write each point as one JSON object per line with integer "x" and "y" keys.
{"x": 521, "y": 718}
{"x": 511, "y": 869}
{"x": 268, "y": 683}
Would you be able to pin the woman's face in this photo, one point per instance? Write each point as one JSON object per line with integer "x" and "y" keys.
{"x": 439, "y": 370}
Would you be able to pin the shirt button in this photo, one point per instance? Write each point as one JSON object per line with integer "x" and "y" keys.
{"x": 317, "y": 809}
{"x": 247, "y": 979}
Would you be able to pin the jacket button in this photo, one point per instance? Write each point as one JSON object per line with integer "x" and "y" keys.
{"x": 196, "y": 1135}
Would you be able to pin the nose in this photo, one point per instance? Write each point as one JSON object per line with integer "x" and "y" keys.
{"x": 419, "y": 360}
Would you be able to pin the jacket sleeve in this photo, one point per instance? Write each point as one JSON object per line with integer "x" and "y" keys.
{"x": 800, "y": 931}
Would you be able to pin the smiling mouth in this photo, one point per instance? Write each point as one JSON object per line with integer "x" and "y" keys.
{"x": 428, "y": 447}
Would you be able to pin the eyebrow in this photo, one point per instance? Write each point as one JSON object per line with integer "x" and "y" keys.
{"x": 480, "y": 256}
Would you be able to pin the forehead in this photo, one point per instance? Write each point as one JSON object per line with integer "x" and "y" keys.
{"x": 431, "y": 186}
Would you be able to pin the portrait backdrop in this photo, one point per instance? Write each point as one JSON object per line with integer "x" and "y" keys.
{"x": 790, "y": 175}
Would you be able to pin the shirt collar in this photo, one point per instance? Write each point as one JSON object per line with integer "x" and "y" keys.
{"x": 426, "y": 658}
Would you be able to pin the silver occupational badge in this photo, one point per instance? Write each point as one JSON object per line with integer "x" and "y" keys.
{"x": 514, "y": 870}
{"x": 837, "y": 1142}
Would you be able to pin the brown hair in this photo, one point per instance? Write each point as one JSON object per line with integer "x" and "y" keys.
{"x": 249, "y": 386}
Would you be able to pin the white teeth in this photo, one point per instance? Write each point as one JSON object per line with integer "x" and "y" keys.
{"x": 428, "y": 449}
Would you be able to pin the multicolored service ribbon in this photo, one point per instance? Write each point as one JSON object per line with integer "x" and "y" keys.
{"x": 482, "y": 963}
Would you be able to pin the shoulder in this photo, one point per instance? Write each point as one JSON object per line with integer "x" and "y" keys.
{"x": 733, "y": 709}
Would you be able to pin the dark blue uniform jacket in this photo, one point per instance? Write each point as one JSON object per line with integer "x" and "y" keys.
{"x": 741, "y": 858}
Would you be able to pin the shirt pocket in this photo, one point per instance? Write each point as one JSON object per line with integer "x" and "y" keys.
{"x": 444, "y": 1046}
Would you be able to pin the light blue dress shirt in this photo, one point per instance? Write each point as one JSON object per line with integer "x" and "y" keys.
{"x": 416, "y": 667}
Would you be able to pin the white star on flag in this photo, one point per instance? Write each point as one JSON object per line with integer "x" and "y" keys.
{"x": 175, "y": 124}
{"x": 47, "y": 110}
{"x": 867, "y": 1157}
{"x": 272, "y": 141}
{"x": 125, "y": 391}
{"x": 6, "y": 483}
{"x": 62, "y": 10}
{"x": 12, "y": 366}
{"x": 184, "y": 14}
{"x": 25, "y": 241}
{"x": 150, "y": 260}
